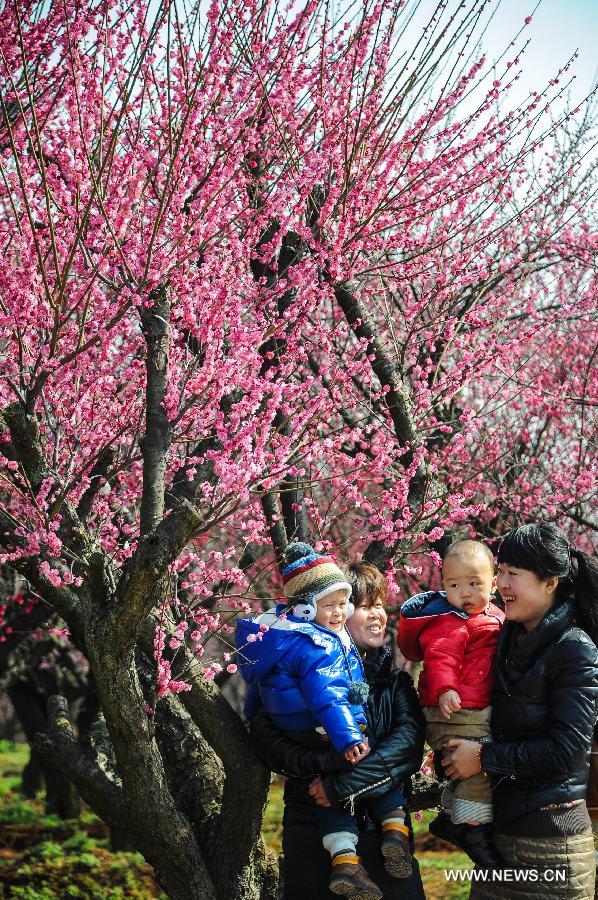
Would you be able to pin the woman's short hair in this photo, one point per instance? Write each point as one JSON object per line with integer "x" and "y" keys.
{"x": 368, "y": 583}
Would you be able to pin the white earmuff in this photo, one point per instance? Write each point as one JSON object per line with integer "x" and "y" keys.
{"x": 350, "y": 609}
{"x": 305, "y": 611}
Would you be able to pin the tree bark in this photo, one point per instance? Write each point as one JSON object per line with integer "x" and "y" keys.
{"x": 155, "y": 321}
{"x": 61, "y": 797}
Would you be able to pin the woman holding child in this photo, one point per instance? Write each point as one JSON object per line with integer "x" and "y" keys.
{"x": 320, "y": 779}
{"x": 544, "y": 709}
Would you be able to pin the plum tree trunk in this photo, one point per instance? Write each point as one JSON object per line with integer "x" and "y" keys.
{"x": 61, "y": 799}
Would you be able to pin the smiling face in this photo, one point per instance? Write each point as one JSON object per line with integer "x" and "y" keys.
{"x": 527, "y": 597}
{"x": 331, "y": 610}
{"x": 468, "y": 580}
{"x": 367, "y": 626}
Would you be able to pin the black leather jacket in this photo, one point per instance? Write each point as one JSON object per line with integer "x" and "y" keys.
{"x": 395, "y": 723}
{"x": 545, "y": 704}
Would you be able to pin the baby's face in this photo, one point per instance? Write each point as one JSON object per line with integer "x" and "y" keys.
{"x": 468, "y": 580}
{"x": 332, "y": 611}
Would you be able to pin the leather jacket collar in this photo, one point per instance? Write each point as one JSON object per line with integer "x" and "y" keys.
{"x": 519, "y": 649}
{"x": 378, "y": 666}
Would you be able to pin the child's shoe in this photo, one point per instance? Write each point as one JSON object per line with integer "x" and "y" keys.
{"x": 442, "y": 827}
{"x": 477, "y": 842}
{"x": 395, "y": 850}
{"x": 351, "y": 879}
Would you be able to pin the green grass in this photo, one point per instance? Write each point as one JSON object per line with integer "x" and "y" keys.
{"x": 272, "y": 825}
{"x": 44, "y": 858}
{"x": 48, "y": 870}
{"x": 13, "y": 759}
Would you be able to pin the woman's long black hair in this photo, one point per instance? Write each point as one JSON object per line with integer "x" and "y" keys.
{"x": 546, "y": 551}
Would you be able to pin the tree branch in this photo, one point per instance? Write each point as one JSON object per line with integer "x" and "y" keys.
{"x": 275, "y": 523}
{"x": 97, "y": 475}
{"x": 27, "y": 442}
{"x": 156, "y": 440}
{"x": 397, "y": 399}
{"x": 194, "y": 771}
{"x": 26, "y": 439}
{"x": 138, "y": 586}
{"x": 162, "y": 831}
{"x": 80, "y": 765}
{"x": 184, "y": 488}
{"x": 22, "y": 624}
{"x": 195, "y": 774}
{"x": 581, "y": 520}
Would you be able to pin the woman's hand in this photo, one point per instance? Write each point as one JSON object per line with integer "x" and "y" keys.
{"x": 317, "y": 793}
{"x": 461, "y": 758}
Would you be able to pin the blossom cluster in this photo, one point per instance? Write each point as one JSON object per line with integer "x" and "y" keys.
{"x": 251, "y": 172}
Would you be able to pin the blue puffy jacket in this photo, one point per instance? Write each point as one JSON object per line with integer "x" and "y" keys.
{"x": 300, "y": 673}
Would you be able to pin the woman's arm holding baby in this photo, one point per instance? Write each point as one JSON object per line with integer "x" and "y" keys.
{"x": 281, "y": 754}
{"x": 395, "y": 757}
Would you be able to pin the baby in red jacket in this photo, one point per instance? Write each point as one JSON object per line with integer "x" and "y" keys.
{"x": 455, "y": 633}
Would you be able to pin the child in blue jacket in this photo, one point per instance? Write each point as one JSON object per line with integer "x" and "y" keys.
{"x": 304, "y": 670}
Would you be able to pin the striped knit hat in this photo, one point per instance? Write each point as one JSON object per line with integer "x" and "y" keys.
{"x": 308, "y": 576}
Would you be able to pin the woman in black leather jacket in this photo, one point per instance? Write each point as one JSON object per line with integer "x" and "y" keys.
{"x": 396, "y": 727}
{"x": 545, "y": 704}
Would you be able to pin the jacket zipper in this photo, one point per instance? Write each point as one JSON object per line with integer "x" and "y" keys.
{"x": 351, "y": 797}
{"x": 500, "y": 781}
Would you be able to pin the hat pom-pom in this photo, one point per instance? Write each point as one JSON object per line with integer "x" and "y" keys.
{"x": 296, "y": 550}
{"x": 358, "y": 692}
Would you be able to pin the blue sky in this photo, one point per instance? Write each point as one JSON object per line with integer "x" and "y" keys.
{"x": 558, "y": 28}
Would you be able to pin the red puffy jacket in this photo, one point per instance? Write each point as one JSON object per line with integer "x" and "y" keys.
{"x": 457, "y": 649}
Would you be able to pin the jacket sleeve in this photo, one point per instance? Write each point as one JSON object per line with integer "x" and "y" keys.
{"x": 572, "y": 706}
{"x": 394, "y": 759}
{"x": 443, "y": 657}
{"x": 325, "y": 688}
{"x": 408, "y": 638}
{"x": 282, "y": 754}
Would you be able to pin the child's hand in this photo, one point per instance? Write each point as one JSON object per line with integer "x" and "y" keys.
{"x": 448, "y": 703}
{"x": 359, "y": 751}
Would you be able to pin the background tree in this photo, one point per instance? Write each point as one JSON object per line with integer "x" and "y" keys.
{"x": 266, "y": 275}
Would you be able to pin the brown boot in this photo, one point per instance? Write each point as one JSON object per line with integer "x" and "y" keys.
{"x": 351, "y": 879}
{"x": 395, "y": 850}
